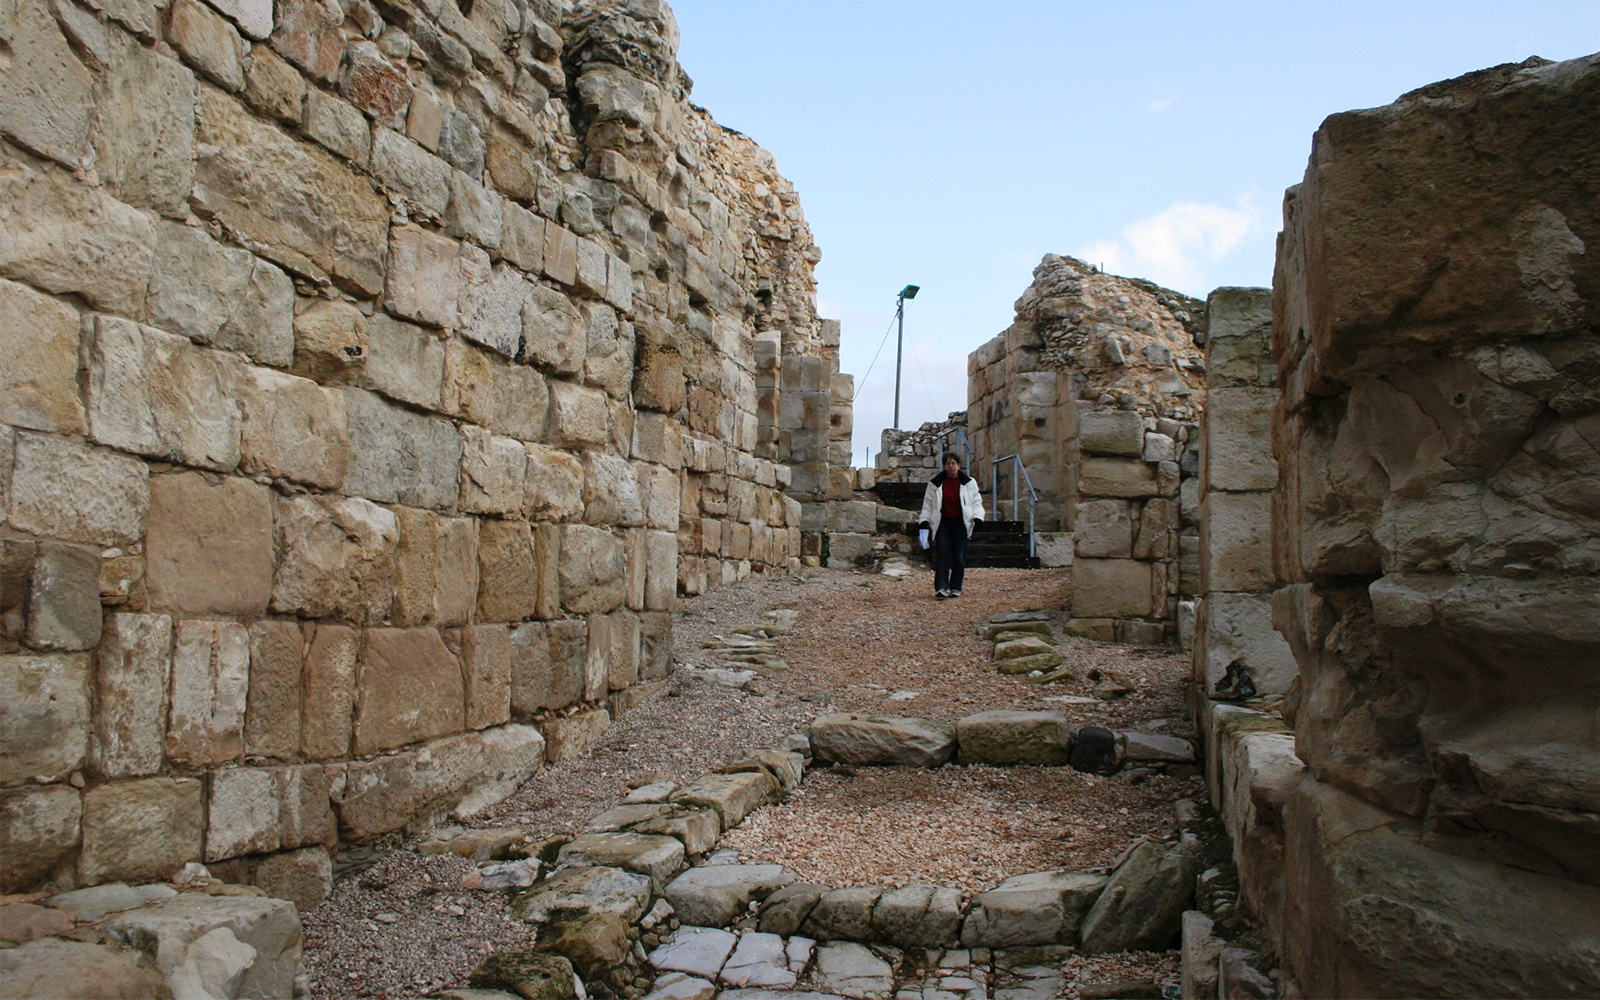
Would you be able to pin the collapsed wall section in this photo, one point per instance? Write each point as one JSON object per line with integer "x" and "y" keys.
{"x": 377, "y": 376}
{"x": 1436, "y": 538}
{"x": 1099, "y": 385}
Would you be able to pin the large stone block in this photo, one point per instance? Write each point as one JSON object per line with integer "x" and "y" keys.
{"x": 184, "y": 934}
{"x": 210, "y": 690}
{"x": 1238, "y": 439}
{"x": 661, "y": 570}
{"x": 208, "y": 42}
{"x": 397, "y": 456}
{"x": 39, "y": 384}
{"x": 491, "y": 302}
{"x": 1110, "y": 432}
{"x": 436, "y": 568}
{"x": 611, "y": 491}
{"x": 272, "y": 712}
{"x": 63, "y": 489}
{"x": 508, "y": 572}
{"x": 308, "y": 212}
{"x": 63, "y": 236}
{"x": 138, "y": 830}
{"x": 404, "y": 361}
{"x": 132, "y": 667}
{"x": 485, "y": 652}
{"x": 416, "y": 181}
{"x": 293, "y": 429}
{"x": 1239, "y": 339}
{"x": 410, "y": 689}
{"x": 578, "y": 416}
{"x": 44, "y": 716}
{"x": 1236, "y": 542}
{"x": 337, "y": 557}
{"x": 556, "y": 335}
{"x": 592, "y": 569}
{"x": 40, "y": 827}
{"x": 570, "y": 736}
{"x": 46, "y": 93}
{"x": 332, "y": 655}
{"x": 64, "y": 599}
{"x": 243, "y": 813}
{"x": 1238, "y": 629}
{"x": 221, "y": 296}
{"x": 1111, "y": 588}
{"x": 493, "y": 472}
{"x": 510, "y": 399}
{"x": 1006, "y": 738}
{"x": 1117, "y": 477}
{"x": 1103, "y": 529}
{"x": 555, "y": 485}
{"x": 157, "y": 395}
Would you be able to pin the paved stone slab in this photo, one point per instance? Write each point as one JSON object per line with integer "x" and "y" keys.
{"x": 759, "y": 960}
{"x": 852, "y": 969}
{"x": 714, "y": 895}
{"x": 1149, "y": 746}
{"x": 582, "y": 890}
{"x": 659, "y": 858}
{"x": 732, "y": 796}
{"x": 699, "y": 951}
{"x": 678, "y": 986}
{"x": 1033, "y": 909}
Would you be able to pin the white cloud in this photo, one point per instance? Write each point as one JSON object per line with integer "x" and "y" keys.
{"x": 1161, "y": 104}
{"x": 1170, "y": 248}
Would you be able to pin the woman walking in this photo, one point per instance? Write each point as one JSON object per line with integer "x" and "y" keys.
{"x": 950, "y": 505}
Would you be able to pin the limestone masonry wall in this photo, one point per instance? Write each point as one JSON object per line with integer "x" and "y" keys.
{"x": 1098, "y": 385}
{"x": 1436, "y": 541}
{"x": 376, "y": 376}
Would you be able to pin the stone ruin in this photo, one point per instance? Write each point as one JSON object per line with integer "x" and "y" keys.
{"x": 377, "y": 378}
{"x": 1098, "y": 386}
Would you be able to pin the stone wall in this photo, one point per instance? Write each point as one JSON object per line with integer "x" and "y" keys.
{"x": 1098, "y": 385}
{"x": 915, "y": 456}
{"x": 377, "y": 377}
{"x": 1436, "y": 538}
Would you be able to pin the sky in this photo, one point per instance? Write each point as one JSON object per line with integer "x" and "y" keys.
{"x": 952, "y": 145}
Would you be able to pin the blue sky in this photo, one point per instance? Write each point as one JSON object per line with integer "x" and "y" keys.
{"x": 951, "y": 145}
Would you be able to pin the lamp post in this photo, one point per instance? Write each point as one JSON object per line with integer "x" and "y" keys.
{"x": 908, "y": 292}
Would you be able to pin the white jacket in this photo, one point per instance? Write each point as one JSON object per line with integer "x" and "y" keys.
{"x": 933, "y": 502}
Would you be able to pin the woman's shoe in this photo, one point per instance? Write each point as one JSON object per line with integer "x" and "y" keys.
{"x": 955, "y": 593}
{"x": 941, "y": 594}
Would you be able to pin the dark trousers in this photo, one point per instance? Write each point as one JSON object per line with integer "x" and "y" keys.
{"x": 949, "y": 554}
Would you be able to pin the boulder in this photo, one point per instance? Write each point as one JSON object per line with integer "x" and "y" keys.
{"x": 532, "y": 975}
{"x": 584, "y": 890}
{"x": 851, "y": 738}
{"x": 1007, "y": 737}
{"x": 785, "y": 911}
{"x": 595, "y": 943}
{"x": 1012, "y": 648}
{"x": 731, "y": 796}
{"x": 657, "y": 857}
{"x": 713, "y": 896}
{"x": 1200, "y": 951}
{"x": 843, "y": 915}
{"x": 1142, "y": 906}
{"x": 1151, "y": 746}
{"x": 918, "y": 916}
{"x": 55, "y": 968}
{"x": 1028, "y": 664}
{"x": 1034, "y": 909}
{"x": 231, "y": 946}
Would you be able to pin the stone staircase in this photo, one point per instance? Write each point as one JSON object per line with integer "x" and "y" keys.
{"x": 994, "y": 544}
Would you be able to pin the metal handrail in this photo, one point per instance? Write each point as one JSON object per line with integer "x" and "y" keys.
{"x": 961, "y": 440}
{"x": 994, "y": 491}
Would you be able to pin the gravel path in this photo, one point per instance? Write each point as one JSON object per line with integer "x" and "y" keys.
{"x": 860, "y": 642}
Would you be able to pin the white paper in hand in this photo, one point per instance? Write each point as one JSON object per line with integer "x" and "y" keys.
{"x": 922, "y": 536}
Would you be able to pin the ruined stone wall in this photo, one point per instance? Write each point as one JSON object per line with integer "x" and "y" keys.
{"x": 1099, "y": 385}
{"x": 1436, "y": 538}
{"x": 913, "y": 456}
{"x": 376, "y": 376}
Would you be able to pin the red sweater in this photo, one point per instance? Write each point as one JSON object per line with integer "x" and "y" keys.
{"x": 951, "y": 505}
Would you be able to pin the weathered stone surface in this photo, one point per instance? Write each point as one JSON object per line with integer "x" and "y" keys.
{"x": 493, "y": 472}
{"x": 39, "y": 386}
{"x": 759, "y": 960}
{"x": 330, "y": 342}
{"x": 1238, "y": 431}
{"x": 591, "y": 569}
{"x": 273, "y": 87}
{"x": 731, "y": 796}
{"x": 850, "y": 738}
{"x": 410, "y": 689}
{"x": 62, "y": 236}
{"x": 209, "y": 550}
{"x": 207, "y": 41}
{"x": 272, "y": 714}
{"x": 436, "y": 568}
{"x": 486, "y": 672}
{"x": 417, "y": 182}
{"x": 1103, "y": 529}
{"x": 400, "y": 456}
{"x": 337, "y": 558}
{"x": 44, "y": 716}
{"x": 1142, "y": 906}
{"x": 1006, "y": 737}
{"x": 843, "y": 914}
{"x": 404, "y": 361}
{"x": 585, "y": 890}
{"x": 243, "y": 945}
{"x": 332, "y": 653}
{"x": 1236, "y": 541}
{"x": 510, "y": 399}
{"x": 55, "y": 968}
{"x": 157, "y": 395}
{"x": 1032, "y": 909}
{"x": 310, "y": 213}
{"x": 1113, "y": 432}
{"x": 714, "y": 895}
{"x": 696, "y": 829}
{"x": 571, "y": 735}
{"x": 532, "y": 975}
{"x": 555, "y": 485}
{"x": 132, "y": 667}
{"x": 65, "y": 490}
{"x": 1237, "y": 629}
{"x": 41, "y": 829}
{"x": 1022, "y": 646}
{"x": 1153, "y": 746}
{"x": 242, "y": 817}
{"x": 657, "y": 857}
{"x": 698, "y": 951}
{"x": 64, "y": 598}
{"x": 303, "y": 877}
{"x": 210, "y": 683}
{"x": 47, "y": 94}
{"x": 595, "y": 943}
{"x": 508, "y": 571}
{"x": 1117, "y": 477}
{"x": 918, "y": 916}
{"x": 292, "y": 429}
{"x": 145, "y": 829}
{"x": 851, "y": 969}
{"x": 1110, "y": 588}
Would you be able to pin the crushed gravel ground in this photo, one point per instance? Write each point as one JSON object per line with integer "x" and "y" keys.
{"x": 860, "y": 642}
